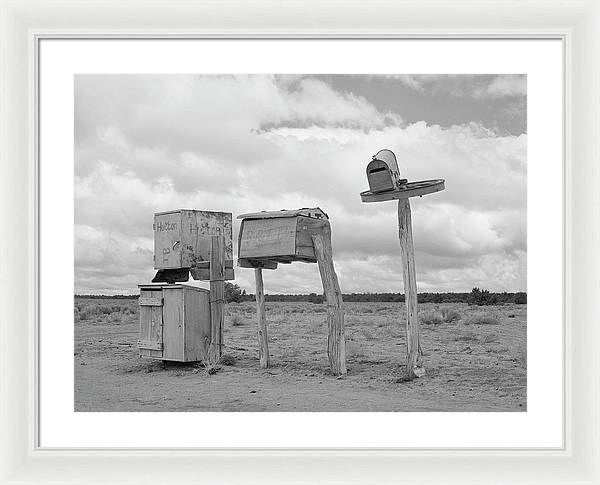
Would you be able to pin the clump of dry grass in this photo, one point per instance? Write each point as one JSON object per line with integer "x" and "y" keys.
{"x": 466, "y": 337}
{"x": 489, "y": 338}
{"x": 482, "y": 318}
{"x": 227, "y": 359}
{"x": 277, "y": 318}
{"x": 450, "y": 315}
{"x": 209, "y": 368}
{"x": 367, "y": 334}
{"x": 431, "y": 318}
{"x": 236, "y": 320}
{"x": 499, "y": 350}
{"x": 353, "y": 351}
{"x": 315, "y": 326}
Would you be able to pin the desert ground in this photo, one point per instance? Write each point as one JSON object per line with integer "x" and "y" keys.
{"x": 475, "y": 360}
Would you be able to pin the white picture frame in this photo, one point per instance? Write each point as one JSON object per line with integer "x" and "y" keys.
{"x": 23, "y": 24}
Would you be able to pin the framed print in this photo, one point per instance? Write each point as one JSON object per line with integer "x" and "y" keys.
{"x": 166, "y": 175}
{"x": 478, "y": 361}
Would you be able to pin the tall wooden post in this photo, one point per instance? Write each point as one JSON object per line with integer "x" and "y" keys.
{"x": 336, "y": 340}
{"x": 217, "y": 296}
{"x": 263, "y": 342}
{"x": 413, "y": 364}
{"x": 385, "y": 184}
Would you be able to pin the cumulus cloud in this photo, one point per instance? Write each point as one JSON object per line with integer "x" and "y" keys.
{"x": 243, "y": 143}
{"x": 509, "y": 85}
{"x": 408, "y": 80}
{"x": 460, "y": 85}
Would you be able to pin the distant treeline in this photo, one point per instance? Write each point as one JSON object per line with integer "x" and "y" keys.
{"x": 489, "y": 299}
{"x": 475, "y": 297}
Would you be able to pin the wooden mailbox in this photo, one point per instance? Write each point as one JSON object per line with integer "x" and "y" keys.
{"x": 182, "y": 241}
{"x": 383, "y": 173}
{"x": 269, "y": 238}
{"x": 175, "y": 322}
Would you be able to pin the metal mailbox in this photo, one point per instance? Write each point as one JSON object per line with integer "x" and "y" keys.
{"x": 383, "y": 173}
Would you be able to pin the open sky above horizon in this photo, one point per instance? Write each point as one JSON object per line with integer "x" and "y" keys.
{"x": 245, "y": 143}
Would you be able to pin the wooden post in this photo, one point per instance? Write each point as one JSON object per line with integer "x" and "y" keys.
{"x": 263, "y": 342}
{"x": 217, "y": 296}
{"x": 336, "y": 340}
{"x": 413, "y": 363}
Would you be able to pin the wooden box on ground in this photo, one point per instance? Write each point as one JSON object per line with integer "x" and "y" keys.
{"x": 268, "y": 238}
{"x": 182, "y": 240}
{"x": 174, "y": 322}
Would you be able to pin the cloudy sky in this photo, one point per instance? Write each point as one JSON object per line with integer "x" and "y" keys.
{"x": 243, "y": 143}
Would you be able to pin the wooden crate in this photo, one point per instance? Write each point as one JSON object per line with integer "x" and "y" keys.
{"x": 268, "y": 238}
{"x": 182, "y": 240}
{"x": 174, "y": 322}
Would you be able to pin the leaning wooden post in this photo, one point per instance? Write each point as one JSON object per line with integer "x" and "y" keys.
{"x": 413, "y": 364}
{"x": 336, "y": 340}
{"x": 263, "y": 341}
{"x": 217, "y": 296}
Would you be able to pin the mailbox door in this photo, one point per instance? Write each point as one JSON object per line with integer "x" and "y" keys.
{"x": 150, "y": 343}
{"x": 196, "y": 309}
{"x": 167, "y": 240}
{"x": 380, "y": 181}
{"x": 379, "y": 177}
{"x": 173, "y": 324}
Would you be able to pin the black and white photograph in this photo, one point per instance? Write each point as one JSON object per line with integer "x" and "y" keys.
{"x": 300, "y": 242}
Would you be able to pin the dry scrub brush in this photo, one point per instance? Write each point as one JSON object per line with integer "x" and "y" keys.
{"x": 450, "y": 315}
{"x": 482, "y": 318}
{"x": 445, "y": 315}
{"x": 236, "y": 320}
{"x": 431, "y": 318}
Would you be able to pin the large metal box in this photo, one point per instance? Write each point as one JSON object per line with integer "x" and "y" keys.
{"x": 174, "y": 322}
{"x": 281, "y": 236}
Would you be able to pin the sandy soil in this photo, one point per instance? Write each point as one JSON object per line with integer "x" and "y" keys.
{"x": 470, "y": 366}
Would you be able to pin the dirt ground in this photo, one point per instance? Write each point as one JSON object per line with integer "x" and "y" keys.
{"x": 477, "y": 362}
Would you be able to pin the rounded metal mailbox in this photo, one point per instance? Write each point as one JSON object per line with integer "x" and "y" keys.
{"x": 383, "y": 173}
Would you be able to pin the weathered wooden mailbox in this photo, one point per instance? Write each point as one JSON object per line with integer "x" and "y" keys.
{"x": 390, "y": 187}
{"x": 182, "y": 244}
{"x": 174, "y": 322}
{"x": 284, "y": 236}
{"x": 269, "y": 238}
{"x": 182, "y": 322}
